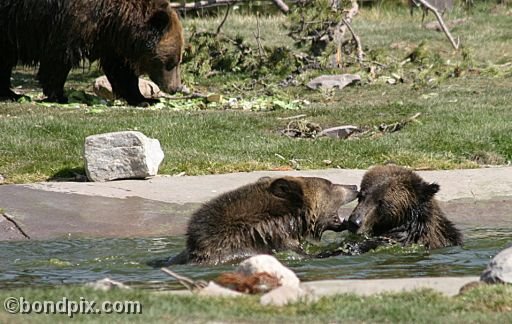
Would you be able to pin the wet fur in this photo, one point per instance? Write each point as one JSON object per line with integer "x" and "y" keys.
{"x": 262, "y": 218}
{"x": 396, "y": 205}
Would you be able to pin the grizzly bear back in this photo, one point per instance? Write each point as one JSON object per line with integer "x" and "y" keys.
{"x": 129, "y": 37}
{"x": 396, "y": 203}
{"x": 272, "y": 214}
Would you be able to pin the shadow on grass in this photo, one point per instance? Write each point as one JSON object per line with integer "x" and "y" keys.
{"x": 69, "y": 174}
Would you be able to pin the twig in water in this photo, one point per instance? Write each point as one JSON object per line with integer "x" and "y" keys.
{"x": 185, "y": 281}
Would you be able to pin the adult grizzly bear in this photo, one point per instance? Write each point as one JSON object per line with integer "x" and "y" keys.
{"x": 272, "y": 214}
{"x": 128, "y": 37}
{"x": 396, "y": 205}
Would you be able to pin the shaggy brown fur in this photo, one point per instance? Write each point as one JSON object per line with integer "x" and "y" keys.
{"x": 397, "y": 205}
{"x": 129, "y": 37}
{"x": 273, "y": 214}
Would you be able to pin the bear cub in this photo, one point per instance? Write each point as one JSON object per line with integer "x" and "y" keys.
{"x": 396, "y": 205}
{"x": 270, "y": 215}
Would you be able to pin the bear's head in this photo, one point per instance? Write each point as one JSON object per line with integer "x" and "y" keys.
{"x": 391, "y": 200}
{"x": 318, "y": 200}
{"x": 165, "y": 43}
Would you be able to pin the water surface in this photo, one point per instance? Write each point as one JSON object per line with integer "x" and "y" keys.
{"x": 43, "y": 263}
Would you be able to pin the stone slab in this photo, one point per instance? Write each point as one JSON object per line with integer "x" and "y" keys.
{"x": 161, "y": 206}
{"x": 449, "y": 286}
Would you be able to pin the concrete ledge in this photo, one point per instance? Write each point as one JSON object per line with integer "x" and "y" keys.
{"x": 161, "y": 206}
{"x": 476, "y": 184}
{"x": 449, "y": 286}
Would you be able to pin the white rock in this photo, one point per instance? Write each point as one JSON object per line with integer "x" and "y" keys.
{"x": 270, "y": 265}
{"x": 121, "y": 155}
{"x": 339, "y": 81}
{"x": 283, "y": 295}
{"x": 103, "y": 89}
{"x": 499, "y": 270}
{"x": 341, "y": 132}
{"x": 106, "y": 284}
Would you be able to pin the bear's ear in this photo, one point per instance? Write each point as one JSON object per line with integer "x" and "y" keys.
{"x": 287, "y": 189}
{"x": 160, "y": 20}
{"x": 428, "y": 190}
{"x": 263, "y": 179}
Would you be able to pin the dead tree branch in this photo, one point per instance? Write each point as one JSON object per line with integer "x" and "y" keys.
{"x": 342, "y": 27}
{"x": 357, "y": 40}
{"x": 223, "y": 20}
{"x": 428, "y": 6}
{"x": 215, "y": 3}
{"x": 257, "y": 35}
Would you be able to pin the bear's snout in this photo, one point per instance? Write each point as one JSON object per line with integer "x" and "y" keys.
{"x": 354, "y": 221}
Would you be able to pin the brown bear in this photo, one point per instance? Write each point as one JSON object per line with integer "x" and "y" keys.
{"x": 395, "y": 205}
{"x": 270, "y": 215}
{"x": 128, "y": 37}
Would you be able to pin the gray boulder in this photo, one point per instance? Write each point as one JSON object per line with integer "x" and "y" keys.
{"x": 121, "y": 155}
{"x": 338, "y": 81}
{"x": 499, "y": 270}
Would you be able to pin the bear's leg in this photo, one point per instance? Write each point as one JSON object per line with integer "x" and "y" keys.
{"x": 124, "y": 81}
{"x": 5, "y": 82}
{"x": 52, "y": 76}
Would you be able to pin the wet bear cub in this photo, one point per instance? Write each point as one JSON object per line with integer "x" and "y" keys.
{"x": 270, "y": 215}
{"x": 398, "y": 206}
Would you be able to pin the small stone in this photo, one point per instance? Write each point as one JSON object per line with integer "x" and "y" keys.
{"x": 2, "y": 179}
{"x": 341, "y": 132}
{"x": 106, "y": 284}
{"x": 338, "y": 81}
{"x": 270, "y": 265}
{"x": 282, "y": 296}
{"x": 121, "y": 155}
{"x": 499, "y": 270}
{"x": 103, "y": 89}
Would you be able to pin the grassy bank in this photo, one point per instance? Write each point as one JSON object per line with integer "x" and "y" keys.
{"x": 464, "y": 121}
{"x": 491, "y": 304}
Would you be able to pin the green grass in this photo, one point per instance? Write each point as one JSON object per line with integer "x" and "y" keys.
{"x": 464, "y": 121}
{"x": 490, "y": 304}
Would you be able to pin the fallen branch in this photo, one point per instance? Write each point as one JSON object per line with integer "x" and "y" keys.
{"x": 441, "y": 23}
{"x": 342, "y": 27}
{"x": 257, "y": 35}
{"x": 356, "y": 38}
{"x": 215, "y": 3}
{"x": 185, "y": 281}
{"x": 223, "y": 20}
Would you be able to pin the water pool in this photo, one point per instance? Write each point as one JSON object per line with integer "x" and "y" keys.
{"x": 74, "y": 261}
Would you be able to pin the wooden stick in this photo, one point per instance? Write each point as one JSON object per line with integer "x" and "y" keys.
{"x": 214, "y": 3}
{"x": 441, "y": 23}
{"x": 356, "y": 38}
{"x": 223, "y": 20}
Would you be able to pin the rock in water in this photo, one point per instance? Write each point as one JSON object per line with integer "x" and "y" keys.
{"x": 121, "y": 155}
{"x": 499, "y": 270}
